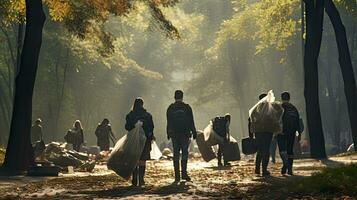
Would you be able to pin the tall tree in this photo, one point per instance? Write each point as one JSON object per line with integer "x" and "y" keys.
{"x": 345, "y": 64}
{"x": 314, "y": 22}
{"x": 18, "y": 154}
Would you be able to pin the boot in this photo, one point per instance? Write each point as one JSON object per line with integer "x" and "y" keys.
{"x": 177, "y": 171}
{"x": 141, "y": 175}
{"x": 258, "y": 160}
{"x": 290, "y": 166}
{"x": 265, "y": 162}
{"x": 284, "y": 158}
{"x": 184, "y": 170}
{"x": 134, "y": 180}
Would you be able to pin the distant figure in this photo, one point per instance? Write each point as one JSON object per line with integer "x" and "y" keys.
{"x": 77, "y": 134}
{"x": 36, "y": 131}
{"x": 221, "y": 127}
{"x": 291, "y": 125}
{"x": 263, "y": 140}
{"x": 180, "y": 128}
{"x": 104, "y": 133}
{"x": 139, "y": 116}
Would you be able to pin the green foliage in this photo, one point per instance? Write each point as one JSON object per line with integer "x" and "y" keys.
{"x": 342, "y": 180}
{"x": 269, "y": 23}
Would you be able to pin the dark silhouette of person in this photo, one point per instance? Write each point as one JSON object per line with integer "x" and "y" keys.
{"x": 104, "y": 133}
{"x": 221, "y": 127}
{"x": 180, "y": 128}
{"x": 291, "y": 125}
{"x": 263, "y": 141}
{"x": 78, "y": 136}
{"x": 139, "y": 116}
{"x": 36, "y": 131}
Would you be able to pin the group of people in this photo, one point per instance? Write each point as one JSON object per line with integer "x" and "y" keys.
{"x": 180, "y": 130}
{"x": 285, "y": 140}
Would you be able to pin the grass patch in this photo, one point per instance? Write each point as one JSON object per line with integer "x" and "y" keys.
{"x": 342, "y": 180}
{"x": 2, "y": 155}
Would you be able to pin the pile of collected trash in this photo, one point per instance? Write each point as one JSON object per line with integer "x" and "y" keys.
{"x": 58, "y": 154}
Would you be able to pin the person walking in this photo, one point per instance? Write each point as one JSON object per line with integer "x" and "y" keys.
{"x": 180, "y": 128}
{"x": 104, "y": 133}
{"x": 138, "y": 116}
{"x": 263, "y": 141}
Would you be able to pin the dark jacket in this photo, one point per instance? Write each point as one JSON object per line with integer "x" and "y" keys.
{"x": 291, "y": 118}
{"x": 188, "y": 127}
{"x": 221, "y": 127}
{"x": 104, "y": 133}
{"x": 36, "y": 133}
{"x": 148, "y": 125}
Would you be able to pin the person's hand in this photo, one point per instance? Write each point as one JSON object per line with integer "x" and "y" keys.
{"x": 139, "y": 123}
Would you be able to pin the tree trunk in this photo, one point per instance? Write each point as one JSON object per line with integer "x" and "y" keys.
{"x": 19, "y": 151}
{"x": 346, "y": 65}
{"x": 314, "y": 21}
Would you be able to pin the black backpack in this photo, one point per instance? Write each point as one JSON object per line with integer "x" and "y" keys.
{"x": 179, "y": 119}
{"x": 291, "y": 119}
{"x": 220, "y": 126}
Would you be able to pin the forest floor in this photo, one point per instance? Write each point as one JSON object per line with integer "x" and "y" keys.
{"x": 208, "y": 182}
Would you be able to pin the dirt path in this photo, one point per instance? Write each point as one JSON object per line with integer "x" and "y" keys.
{"x": 209, "y": 182}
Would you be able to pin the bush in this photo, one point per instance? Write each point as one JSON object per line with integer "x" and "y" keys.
{"x": 342, "y": 180}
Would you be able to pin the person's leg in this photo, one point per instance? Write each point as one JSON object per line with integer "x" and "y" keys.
{"x": 134, "y": 178}
{"x": 273, "y": 149}
{"x": 176, "y": 159}
{"x": 290, "y": 151}
{"x": 258, "y": 158}
{"x": 266, "y": 152}
{"x": 219, "y": 155}
{"x": 142, "y": 167}
{"x": 283, "y": 152}
{"x": 185, "y": 143}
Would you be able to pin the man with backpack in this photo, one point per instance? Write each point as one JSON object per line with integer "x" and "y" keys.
{"x": 291, "y": 125}
{"x": 180, "y": 128}
{"x": 221, "y": 127}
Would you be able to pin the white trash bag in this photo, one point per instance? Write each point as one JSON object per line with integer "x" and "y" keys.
{"x": 155, "y": 153}
{"x": 266, "y": 115}
{"x": 126, "y": 152}
{"x": 211, "y": 137}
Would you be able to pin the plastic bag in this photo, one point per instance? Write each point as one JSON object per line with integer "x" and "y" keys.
{"x": 249, "y": 146}
{"x": 211, "y": 137}
{"x": 126, "y": 152}
{"x": 155, "y": 153}
{"x": 231, "y": 150}
{"x": 205, "y": 149}
{"x": 266, "y": 115}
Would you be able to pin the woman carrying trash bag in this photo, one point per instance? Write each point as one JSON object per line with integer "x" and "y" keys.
{"x": 138, "y": 116}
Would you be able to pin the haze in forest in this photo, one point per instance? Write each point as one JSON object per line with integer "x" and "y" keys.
{"x": 228, "y": 53}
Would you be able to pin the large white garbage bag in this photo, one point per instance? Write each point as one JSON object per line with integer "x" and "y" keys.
{"x": 155, "y": 153}
{"x": 266, "y": 115}
{"x": 126, "y": 152}
{"x": 211, "y": 137}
